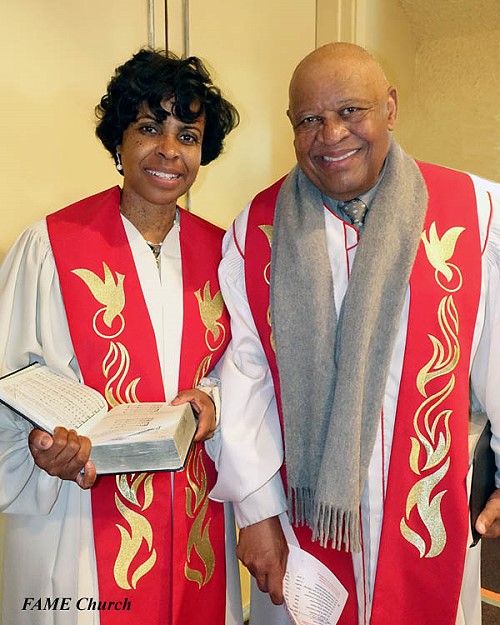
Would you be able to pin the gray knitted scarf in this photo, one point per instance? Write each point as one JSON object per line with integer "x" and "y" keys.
{"x": 333, "y": 371}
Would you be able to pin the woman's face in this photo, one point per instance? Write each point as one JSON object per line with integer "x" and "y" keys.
{"x": 160, "y": 159}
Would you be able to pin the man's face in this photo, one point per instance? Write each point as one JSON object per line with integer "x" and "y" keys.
{"x": 342, "y": 113}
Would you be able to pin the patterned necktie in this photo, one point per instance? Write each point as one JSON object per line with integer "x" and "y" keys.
{"x": 355, "y": 209}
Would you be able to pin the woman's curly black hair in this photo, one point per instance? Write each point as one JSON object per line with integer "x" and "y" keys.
{"x": 153, "y": 76}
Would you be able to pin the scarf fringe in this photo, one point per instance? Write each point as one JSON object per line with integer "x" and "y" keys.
{"x": 327, "y": 522}
{"x": 301, "y": 501}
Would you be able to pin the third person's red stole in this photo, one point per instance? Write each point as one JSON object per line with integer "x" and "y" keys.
{"x": 167, "y": 565}
{"x": 425, "y": 527}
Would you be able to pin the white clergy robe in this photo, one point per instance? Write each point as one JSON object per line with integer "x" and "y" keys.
{"x": 48, "y": 538}
{"x": 249, "y": 448}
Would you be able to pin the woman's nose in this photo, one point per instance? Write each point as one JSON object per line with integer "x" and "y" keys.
{"x": 167, "y": 146}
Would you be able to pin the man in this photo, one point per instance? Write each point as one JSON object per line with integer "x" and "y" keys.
{"x": 346, "y": 385}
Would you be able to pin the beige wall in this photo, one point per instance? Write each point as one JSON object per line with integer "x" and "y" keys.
{"x": 457, "y": 97}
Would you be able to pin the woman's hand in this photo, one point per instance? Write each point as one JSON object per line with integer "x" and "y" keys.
{"x": 204, "y": 409}
{"x": 65, "y": 455}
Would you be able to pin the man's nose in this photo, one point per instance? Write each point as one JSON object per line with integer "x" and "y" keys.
{"x": 333, "y": 130}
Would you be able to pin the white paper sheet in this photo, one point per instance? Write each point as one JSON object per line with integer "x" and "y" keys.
{"x": 313, "y": 595}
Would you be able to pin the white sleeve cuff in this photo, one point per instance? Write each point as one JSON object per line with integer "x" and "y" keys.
{"x": 268, "y": 501}
{"x": 211, "y": 386}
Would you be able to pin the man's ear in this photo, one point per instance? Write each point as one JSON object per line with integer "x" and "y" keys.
{"x": 392, "y": 108}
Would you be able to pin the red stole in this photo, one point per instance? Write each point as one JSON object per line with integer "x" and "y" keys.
{"x": 159, "y": 540}
{"x": 425, "y": 524}
{"x": 257, "y": 277}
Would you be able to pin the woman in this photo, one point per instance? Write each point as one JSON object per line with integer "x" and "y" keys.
{"x": 142, "y": 320}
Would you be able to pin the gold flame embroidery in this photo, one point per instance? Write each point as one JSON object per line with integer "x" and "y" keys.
{"x": 203, "y": 368}
{"x": 196, "y": 508}
{"x": 118, "y": 359}
{"x": 211, "y": 310}
{"x": 140, "y": 529}
{"x": 268, "y": 230}
{"x": 115, "y": 368}
{"x": 429, "y": 457}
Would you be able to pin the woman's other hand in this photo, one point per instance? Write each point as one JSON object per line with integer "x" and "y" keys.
{"x": 204, "y": 409}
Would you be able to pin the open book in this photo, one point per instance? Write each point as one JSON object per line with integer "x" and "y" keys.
{"x": 128, "y": 438}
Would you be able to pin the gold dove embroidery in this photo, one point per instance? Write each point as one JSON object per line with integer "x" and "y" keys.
{"x": 107, "y": 292}
{"x": 439, "y": 251}
{"x": 268, "y": 231}
{"x": 211, "y": 309}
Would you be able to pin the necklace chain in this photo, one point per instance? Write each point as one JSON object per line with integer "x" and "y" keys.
{"x": 156, "y": 247}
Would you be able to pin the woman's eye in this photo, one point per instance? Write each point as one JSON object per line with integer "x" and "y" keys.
{"x": 189, "y": 138}
{"x": 148, "y": 129}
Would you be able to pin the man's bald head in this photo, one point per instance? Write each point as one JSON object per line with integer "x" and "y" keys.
{"x": 342, "y": 109}
{"x": 340, "y": 54}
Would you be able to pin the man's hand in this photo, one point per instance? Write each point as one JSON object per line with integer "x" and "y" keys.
{"x": 65, "y": 455}
{"x": 204, "y": 409}
{"x": 488, "y": 522}
{"x": 263, "y": 550}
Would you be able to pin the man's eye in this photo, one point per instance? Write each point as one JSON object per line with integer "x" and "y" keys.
{"x": 353, "y": 113}
{"x": 311, "y": 119}
{"x": 307, "y": 122}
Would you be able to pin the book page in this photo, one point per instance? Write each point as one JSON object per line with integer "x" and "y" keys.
{"x": 49, "y": 399}
{"x": 313, "y": 595}
{"x": 131, "y": 420}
